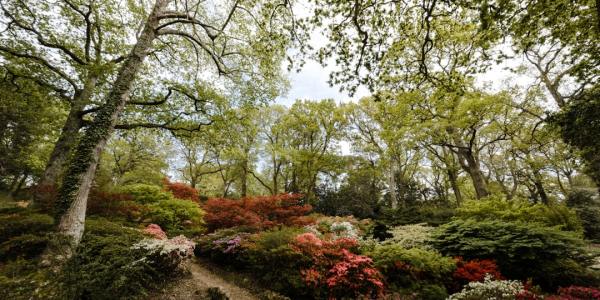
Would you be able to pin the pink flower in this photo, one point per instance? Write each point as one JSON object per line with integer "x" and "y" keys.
{"x": 155, "y": 231}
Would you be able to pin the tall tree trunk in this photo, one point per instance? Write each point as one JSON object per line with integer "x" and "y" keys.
{"x": 49, "y": 182}
{"x": 392, "y": 186}
{"x": 539, "y": 186}
{"x": 471, "y": 166}
{"x": 453, "y": 178}
{"x": 72, "y": 201}
{"x": 244, "y": 192}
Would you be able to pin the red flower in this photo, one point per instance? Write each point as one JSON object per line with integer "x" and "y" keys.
{"x": 475, "y": 270}
{"x": 576, "y": 293}
{"x": 257, "y": 212}
{"x": 181, "y": 190}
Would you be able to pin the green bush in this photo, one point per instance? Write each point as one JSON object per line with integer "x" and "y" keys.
{"x": 413, "y": 269}
{"x": 26, "y": 246}
{"x": 522, "y": 250}
{"x": 587, "y": 208}
{"x": 146, "y": 193}
{"x": 269, "y": 254}
{"x": 107, "y": 266}
{"x": 214, "y": 245}
{"x": 411, "y": 236}
{"x": 21, "y": 278}
{"x": 497, "y": 208}
{"x": 177, "y": 216}
{"x": 431, "y": 215}
{"x": 25, "y": 222}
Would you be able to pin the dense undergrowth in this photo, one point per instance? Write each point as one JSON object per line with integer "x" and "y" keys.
{"x": 130, "y": 248}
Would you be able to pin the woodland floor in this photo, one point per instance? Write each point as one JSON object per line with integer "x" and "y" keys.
{"x": 202, "y": 277}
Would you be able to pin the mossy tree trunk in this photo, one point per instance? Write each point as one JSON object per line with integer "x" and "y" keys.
{"x": 71, "y": 203}
{"x": 65, "y": 144}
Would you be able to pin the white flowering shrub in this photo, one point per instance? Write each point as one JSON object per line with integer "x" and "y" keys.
{"x": 313, "y": 229}
{"x": 167, "y": 254}
{"x": 490, "y": 289}
{"x": 411, "y": 236}
{"x": 343, "y": 230}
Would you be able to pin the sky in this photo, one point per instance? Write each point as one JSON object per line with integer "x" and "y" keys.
{"x": 311, "y": 82}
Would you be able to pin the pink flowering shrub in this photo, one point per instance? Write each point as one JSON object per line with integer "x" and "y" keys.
{"x": 576, "y": 293}
{"x": 335, "y": 270}
{"x": 230, "y": 244}
{"x": 354, "y": 275}
{"x": 155, "y": 231}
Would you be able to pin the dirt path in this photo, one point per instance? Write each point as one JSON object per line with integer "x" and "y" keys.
{"x": 196, "y": 285}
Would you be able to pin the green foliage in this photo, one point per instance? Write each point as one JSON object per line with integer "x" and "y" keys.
{"x": 27, "y": 246}
{"x": 146, "y": 193}
{"x": 17, "y": 224}
{"x": 106, "y": 266}
{"x": 413, "y": 269}
{"x": 411, "y": 236}
{"x": 587, "y": 208}
{"x": 431, "y": 215}
{"x": 270, "y": 254}
{"x": 21, "y": 279}
{"x": 276, "y": 238}
{"x": 498, "y": 208}
{"x": 522, "y": 250}
{"x": 176, "y": 216}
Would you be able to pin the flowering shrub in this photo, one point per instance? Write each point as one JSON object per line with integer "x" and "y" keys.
{"x": 167, "y": 254}
{"x": 411, "y": 236}
{"x": 344, "y": 229}
{"x": 490, "y": 289}
{"x": 340, "y": 225}
{"x": 354, "y": 275}
{"x": 576, "y": 293}
{"x": 47, "y": 195}
{"x": 117, "y": 262}
{"x": 181, "y": 190}
{"x": 111, "y": 204}
{"x": 335, "y": 270}
{"x": 475, "y": 270}
{"x": 257, "y": 212}
{"x": 229, "y": 244}
{"x": 155, "y": 231}
{"x": 547, "y": 255}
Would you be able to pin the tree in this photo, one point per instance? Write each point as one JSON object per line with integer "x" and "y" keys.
{"x": 316, "y": 128}
{"x": 234, "y": 43}
{"x": 30, "y": 117}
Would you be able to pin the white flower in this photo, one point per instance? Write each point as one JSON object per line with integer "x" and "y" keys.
{"x": 343, "y": 229}
{"x": 490, "y": 289}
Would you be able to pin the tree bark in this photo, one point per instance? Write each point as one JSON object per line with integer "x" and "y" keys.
{"x": 72, "y": 201}
{"x": 392, "y": 186}
{"x": 64, "y": 146}
{"x": 470, "y": 164}
{"x": 453, "y": 178}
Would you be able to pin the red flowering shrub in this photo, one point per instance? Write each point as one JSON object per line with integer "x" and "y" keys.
{"x": 354, "y": 275}
{"x": 256, "y": 212}
{"x": 475, "y": 270}
{"x": 155, "y": 231}
{"x": 113, "y": 204}
{"x": 47, "y": 196}
{"x": 181, "y": 190}
{"x": 335, "y": 270}
{"x": 576, "y": 293}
